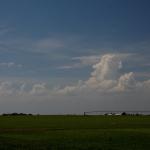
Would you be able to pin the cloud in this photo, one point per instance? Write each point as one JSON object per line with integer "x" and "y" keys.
{"x": 106, "y": 77}
{"x": 84, "y": 61}
{"x": 49, "y": 43}
{"x": 4, "y": 30}
{"x": 6, "y": 88}
{"x": 87, "y": 60}
{"x": 66, "y": 67}
{"x": 38, "y": 89}
{"x": 126, "y": 82}
{"x": 10, "y": 65}
{"x": 142, "y": 74}
{"x": 107, "y": 88}
{"x": 80, "y": 62}
{"x": 107, "y": 67}
{"x": 22, "y": 88}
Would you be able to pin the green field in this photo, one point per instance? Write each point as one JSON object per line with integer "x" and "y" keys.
{"x": 75, "y": 132}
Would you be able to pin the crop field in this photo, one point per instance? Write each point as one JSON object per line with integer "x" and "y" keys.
{"x": 74, "y": 132}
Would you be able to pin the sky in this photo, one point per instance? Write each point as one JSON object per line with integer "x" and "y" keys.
{"x": 71, "y": 56}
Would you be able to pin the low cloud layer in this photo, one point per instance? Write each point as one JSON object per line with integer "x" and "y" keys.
{"x": 106, "y": 77}
{"x": 107, "y": 87}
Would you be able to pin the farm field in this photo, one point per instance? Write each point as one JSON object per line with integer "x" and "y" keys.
{"x": 74, "y": 132}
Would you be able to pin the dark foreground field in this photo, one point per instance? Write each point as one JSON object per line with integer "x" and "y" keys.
{"x": 75, "y": 132}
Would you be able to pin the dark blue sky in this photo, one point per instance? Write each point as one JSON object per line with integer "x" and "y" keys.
{"x": 79, "y": 17}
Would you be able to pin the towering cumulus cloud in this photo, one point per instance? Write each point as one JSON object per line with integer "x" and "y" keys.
{"x": 105, "y": 72}
{"x": 106, "y": 77}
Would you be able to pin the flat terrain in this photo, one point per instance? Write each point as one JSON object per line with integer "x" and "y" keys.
{"x": 75, "y": 132}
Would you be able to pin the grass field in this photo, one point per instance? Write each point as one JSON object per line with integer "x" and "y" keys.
{"x": 75, "y": 132}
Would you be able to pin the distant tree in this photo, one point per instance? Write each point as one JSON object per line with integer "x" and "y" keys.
{"x": 16, "y": 114}
{"x": 4, "y": 114}
{"x": 124, "y": 113}
{"x": 137, "y": 114}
